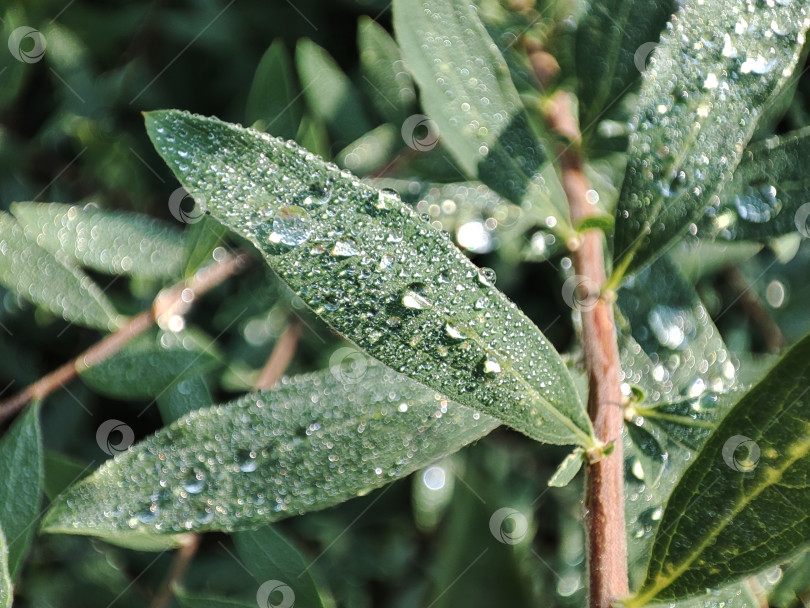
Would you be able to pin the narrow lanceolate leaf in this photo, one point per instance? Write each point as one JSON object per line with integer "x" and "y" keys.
{"x": 369, "y": 266}
{"x": 318, "y": 440}
{"x": 467, "y": 92}
{"x": 739, "y": 506}
{"x": 6, "y": 588}
{"x": 188, "y": 599}
{"x": 106, "y": 241}
{"x": 715, "y": 71}
{"x": 613, "y": 41}
{"x": 272, "y": 103}
{"x": 201, "y": 239}
{"x": 568, "y": 469}
{"x": 330, "y": 94}
{"x": 270, "y": 556}
{"x": 21, "y": 472}
{"x": 389, "y": 86}
{"x": 49, "y": 280}
{"x": 769, "y": 192}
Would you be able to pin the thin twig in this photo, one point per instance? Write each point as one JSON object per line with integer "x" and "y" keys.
{"x": 280, "y": 357}
{"x": 181, "y": 561}
{"x": 604, "y": 498}
{"x": 175, "y": 300}
{"x": 755, "y": 309}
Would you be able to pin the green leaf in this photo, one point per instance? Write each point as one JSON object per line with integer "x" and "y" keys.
{"x": 60, "y": 472}
{"x": 192, "y": 600}
{"x": 389, "y": 86}
{"x": 734, "y": 596}
{"x": 21, "y": 472}
{"x": 183, "y": 396}
{"x": 272, "y": 101}
{"x": 151, "y": 363}
{"x": 710, "y": 78}
{"x": 114, "y": 242}
{"x": 568, "y": 469}
{"x": 625, "y": 32}
{"x": 318, "y": 440}
{"x": 651, "y": 455}
{"x": 49, "y": 280}
{"x": 6, "y": 586}
{"x": 200, "y": 241}
{"x": 604, "y": 223}
{"x": 737, "y": 508}
{"x": 795, "y": 581}
{"x": 768, "y": 193}
{"x": 330, "y": 94}
{"x": 378, "y": 274}
{"x": 466, "y": 89}
{"x": 269, "y": 556}
{"x": 372, "y": 151}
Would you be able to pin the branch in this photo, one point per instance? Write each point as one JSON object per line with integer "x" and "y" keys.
{"x": 181, "y": 561}
{"x": 280, "y": 357}
{"x": 604, "y": 497}
{"x": 175, "y": 300}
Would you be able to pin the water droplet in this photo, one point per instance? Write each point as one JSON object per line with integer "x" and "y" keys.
{"x": 592, "y": 196}
{"x": 291, "y": 225}
{"x": 474, "y": 236}
{"x": 486, "y": 276}
{"x": 491, "y": 366}
{"x": 758, "y": 204}
{"x": 344, "y": 249}
{"x": 757, "y": 65}
{"x": 394, "y": 322}
{"x": 775, "y": 293}
{"x": 247, "y": 461}
{"x": 194, "y": 481}
{"x": 386, "y": 261}
{"x": 415, "y": 297}
{"x": 315, "y": 195}
{"x": 454, "y": 332}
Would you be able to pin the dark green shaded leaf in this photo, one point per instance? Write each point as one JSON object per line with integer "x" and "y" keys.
{"x": 330, "y": 94}
{"x": 21, "y": 472}
{"x": 650, "y": 453}
{"x": 200, "y": 241}
{"x": 739, "y": 506}
{"x": 613, "y": 41}
{"x": 61, "y": 472}
{"x": 193, "y": 600}
{"x": 389, "y": 86}
{"x": 388, "y": 281}
{"x": 183, "y": 396}
{"x": 769, "y": 192}
{"x": 272, "y": 102}
{"x": 467, "y": 92}
{"x": 106, "y": 241}
{"x": 318, "y": 440}
{"x": 715, "y": 70}
{"x": 372, "y": 151}
{"x": 151, "y": 363}
{"x": 271, "y": 557}
{"x": 49, "y": 280}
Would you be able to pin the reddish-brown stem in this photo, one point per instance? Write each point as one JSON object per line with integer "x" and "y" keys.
{"x": 280, "y": 357}
{"x": 604, "y": 495}
{"x": 172, "y": 301}
{"x": 181, "y": 561}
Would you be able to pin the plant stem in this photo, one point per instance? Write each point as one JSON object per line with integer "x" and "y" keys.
{"x": 604, "y": 495}
{"x": 172, "y": 301}
{"x": 181, "y": 561}
{"x": 280, "y": 357}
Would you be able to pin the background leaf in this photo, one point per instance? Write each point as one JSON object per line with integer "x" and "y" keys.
{"x": 735, "y": 510}
{"x": 698, "y": 108}
{"x": 43, "y": 278}
{"x": 21, "y": 472}
{"x": 200, "y": 240}
{"x": 373, "y": 270}
{"x": 272, "y": 103}
{"x": 465, "y": 87}
{"x": 6, "y": 588}
{"x": 317, "y": 441}
{"x": 193, "y": 600}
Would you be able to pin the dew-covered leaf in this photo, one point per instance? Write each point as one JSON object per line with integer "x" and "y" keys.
{"x": 316, "y": 441}
{"x": 268, "y": 555}
{"x": 768, "y": 193}
{"x": 613, "y": 41}
{"x": 200, "y": 241}
{"x": 739, "y": 506}
{"x": 388, "y": 84}
{"x": 717, "y": 67}
{"x": 21, "y": 474}
{"x": 272, "y": 103}
{"x": 148, "y": 365}
{"x": 568, "y": 469}
{"x": 467, "y": 92}
{"x": 651, "y": 455}
{"x": 49, "y": 280}
{"x": 733, "y": 596}
{"x": 794, "y": 583}
{"x": 330, "y": 94}
{"x": 6, "y": 587}
{"x": 386, "y": 280}
{"x": 673, "y": 327}
{"x": 112, "y": 242}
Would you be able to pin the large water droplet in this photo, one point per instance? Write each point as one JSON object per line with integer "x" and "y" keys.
{"x": 291, "y": 225}
{"x": 486, "y": 276}
{"x": 247, "y": 460}
{"x": 490, "y": 366}
{"x": 415, "y": 297}
{"x": 454, "y": 332}
{"x": 194, "y": 481}
{"x": 344, "y": 249}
